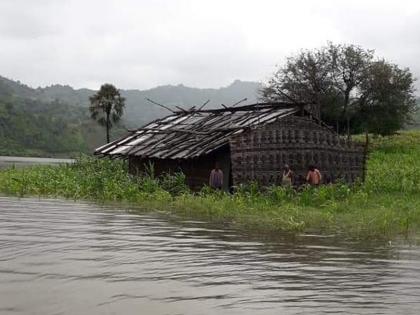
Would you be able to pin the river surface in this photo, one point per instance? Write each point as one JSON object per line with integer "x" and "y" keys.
{"x": 18, "y": 161}
{"x": 62, "y": 257}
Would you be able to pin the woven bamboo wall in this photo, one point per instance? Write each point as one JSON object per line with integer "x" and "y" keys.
{"x": 259, "y": 154}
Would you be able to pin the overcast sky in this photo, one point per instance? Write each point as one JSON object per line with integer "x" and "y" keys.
{"x": 142, "y": 44}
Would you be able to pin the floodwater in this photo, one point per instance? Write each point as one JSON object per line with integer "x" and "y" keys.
{"x": 62, "y": 257}
{"x": 18, "y": 161}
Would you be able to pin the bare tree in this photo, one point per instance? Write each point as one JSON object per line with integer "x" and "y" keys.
{"x": 343, "y": 81}
{"x": 349, "y": 64}
{"x": 304, "y": 78}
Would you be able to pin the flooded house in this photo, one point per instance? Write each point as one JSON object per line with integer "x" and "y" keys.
{"x": 249, "y": 142}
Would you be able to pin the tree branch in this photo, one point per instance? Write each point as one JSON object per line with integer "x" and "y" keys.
{"x": 163, "y": 106}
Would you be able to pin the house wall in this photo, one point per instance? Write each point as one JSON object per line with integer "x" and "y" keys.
{"x": 260, "y": 154}
{"x": 196, "y": 170}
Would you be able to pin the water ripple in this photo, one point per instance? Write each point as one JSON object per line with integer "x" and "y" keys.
{"x": 62, "y": 257}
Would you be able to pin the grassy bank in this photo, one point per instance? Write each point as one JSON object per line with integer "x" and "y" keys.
{"x": 387, "y": 204}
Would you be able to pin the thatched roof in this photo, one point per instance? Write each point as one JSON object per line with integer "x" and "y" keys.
{"x": 192, "y": 133}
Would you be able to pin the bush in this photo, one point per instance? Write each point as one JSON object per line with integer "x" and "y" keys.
{"x": 175, "y": 184}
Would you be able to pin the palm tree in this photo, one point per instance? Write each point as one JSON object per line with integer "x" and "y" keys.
{"x": 107, "y": 106}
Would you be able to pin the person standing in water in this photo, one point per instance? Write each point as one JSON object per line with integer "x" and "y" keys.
{"x": 314, "y": 176}
{"x": 287, "y": 178}
{"x": 216, "y": 177}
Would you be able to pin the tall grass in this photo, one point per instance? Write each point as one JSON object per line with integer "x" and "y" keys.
{"x": 88, "y": 178}
{"x": 388, "y": 203}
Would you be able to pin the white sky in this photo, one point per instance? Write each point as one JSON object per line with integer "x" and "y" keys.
{"x": 142, "y": 44}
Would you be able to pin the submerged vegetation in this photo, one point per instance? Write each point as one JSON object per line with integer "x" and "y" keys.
{"x": 387, "y": 204}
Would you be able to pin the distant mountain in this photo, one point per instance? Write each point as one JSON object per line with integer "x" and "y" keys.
{"x": 139, "y": 111}
{"x": 62, "y": 105}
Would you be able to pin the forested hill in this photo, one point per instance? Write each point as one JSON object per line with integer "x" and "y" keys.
{"x": 32, "y": 127}
{"x": 55, "y": 120}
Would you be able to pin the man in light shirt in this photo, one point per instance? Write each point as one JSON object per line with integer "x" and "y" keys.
{"x": 216, "y": 177}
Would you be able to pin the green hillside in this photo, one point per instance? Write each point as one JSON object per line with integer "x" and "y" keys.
{"x": 31, "y": 127}
{"x": 23, "y": 132}
{"x": 54, "y": 120}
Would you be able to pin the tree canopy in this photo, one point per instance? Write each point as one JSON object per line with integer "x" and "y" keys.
{"x": 349, "y": 88}
{"x": 107, "y": 107}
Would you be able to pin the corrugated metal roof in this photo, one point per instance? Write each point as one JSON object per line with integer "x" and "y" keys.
{"x": 189, "y": 134}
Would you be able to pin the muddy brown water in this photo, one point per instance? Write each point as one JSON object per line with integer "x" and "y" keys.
{"x": 64, "y": 257}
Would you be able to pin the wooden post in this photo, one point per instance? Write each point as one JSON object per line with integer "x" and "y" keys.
{"x": 365, "y": 154}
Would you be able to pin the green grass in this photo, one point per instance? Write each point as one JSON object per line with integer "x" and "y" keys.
{"x": 386, "y": 205}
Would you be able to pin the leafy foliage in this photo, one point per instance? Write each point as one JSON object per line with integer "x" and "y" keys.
{"x": 23, "y": 131}
{"x": 386, "y": 103}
